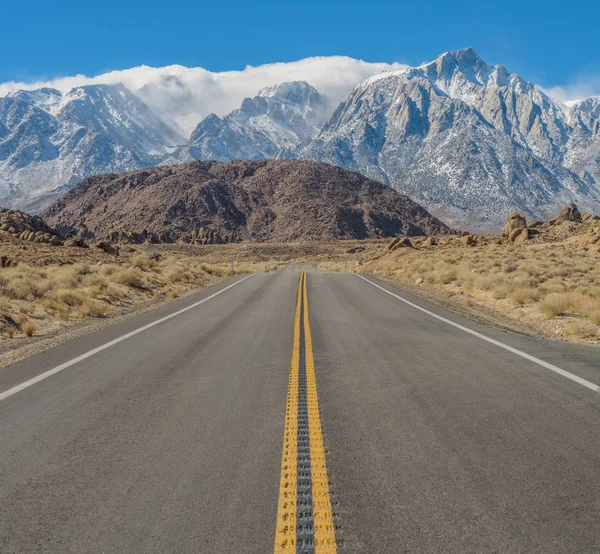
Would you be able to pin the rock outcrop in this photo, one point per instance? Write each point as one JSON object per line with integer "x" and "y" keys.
{"x": 28, "y": 228}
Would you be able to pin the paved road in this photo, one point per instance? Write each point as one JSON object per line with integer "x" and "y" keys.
{"x": 201, "y": 432}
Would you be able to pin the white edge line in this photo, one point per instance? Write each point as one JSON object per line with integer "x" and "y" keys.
{"x": 95, "y": 351}
{"x": 583, "y": 382}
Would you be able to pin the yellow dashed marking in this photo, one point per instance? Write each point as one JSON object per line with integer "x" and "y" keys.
{"x": 323, "y": 517}
{"x": 285, "y": 535}
{"x": 324, "y": 532}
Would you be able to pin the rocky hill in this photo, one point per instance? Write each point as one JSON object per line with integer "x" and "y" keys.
{"x": 204, "y": 202}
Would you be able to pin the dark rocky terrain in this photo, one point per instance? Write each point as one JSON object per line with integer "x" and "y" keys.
{"x": 213, "y": 202}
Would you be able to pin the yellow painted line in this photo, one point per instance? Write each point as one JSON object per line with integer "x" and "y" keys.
{"x": 285, "y": 534}
{"x": 323, "y": 517}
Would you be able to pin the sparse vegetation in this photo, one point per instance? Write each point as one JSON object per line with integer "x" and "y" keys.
{"x": 53, "y": 289}
{"x": 552, "y": 284}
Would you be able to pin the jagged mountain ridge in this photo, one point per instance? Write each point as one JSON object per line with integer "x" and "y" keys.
{"x": 263, "y": 200}
{"x": 467, "y": 140}
{"x": 281, "y": 116}
{"x": 50, "y": 141}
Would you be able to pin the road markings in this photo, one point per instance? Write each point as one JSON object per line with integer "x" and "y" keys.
{"x": 551, "y": 367}
{"x": 57, "y": 369}
{"x": 321, "y": 500}
{"x": 304, "y": 515}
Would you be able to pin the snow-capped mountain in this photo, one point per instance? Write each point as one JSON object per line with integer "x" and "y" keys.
{"x": 50, "y": 141}
{"x": 468, "y": 140}
{"x": 280, "y": 116}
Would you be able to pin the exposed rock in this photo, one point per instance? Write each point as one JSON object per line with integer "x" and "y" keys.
{"x": 28, "y": 228}
{"x": 535, "y": 224}
{"x": 215, "y": 202}
{"x": 76, "y": 242}
{"x": 5, "y": 261}
{"x": 467, "y": 240}
{"x": 522, "y": 236}
{"x": 429, "y": 242}
{"x": 107, "y": 248}
{"x": 516, "y": 220}
{"x": 568, "y": 213}
{"x": 587, "y": 217}
{"x": 400, "y": 242}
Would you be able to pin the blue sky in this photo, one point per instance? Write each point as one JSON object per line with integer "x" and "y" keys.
{"x": 543, "y": 42}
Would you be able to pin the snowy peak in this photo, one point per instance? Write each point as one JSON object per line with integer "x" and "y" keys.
{"x": 465, "y": 64}
{"x": 47, "y": 99}
{"x": 279, "y": 116}
{"x": 294, "y": 93}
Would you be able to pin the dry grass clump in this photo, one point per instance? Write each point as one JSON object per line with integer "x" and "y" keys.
{"x": 525, "y": 295}
{"x": 28, "y": 328}
{"x": 554, "y": 304}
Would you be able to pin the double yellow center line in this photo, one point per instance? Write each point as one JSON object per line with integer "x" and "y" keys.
{"x": 304, "y": 517}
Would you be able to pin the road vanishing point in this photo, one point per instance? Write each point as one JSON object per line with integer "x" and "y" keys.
{"x": 301, "y": 412}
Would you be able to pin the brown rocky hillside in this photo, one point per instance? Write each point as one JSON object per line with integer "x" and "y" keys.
{"x": 212, "y": 202}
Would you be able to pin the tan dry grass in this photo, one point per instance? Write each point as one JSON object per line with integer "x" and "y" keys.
{"x": 536, "y": 283}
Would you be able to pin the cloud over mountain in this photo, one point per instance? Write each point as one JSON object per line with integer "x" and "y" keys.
{"x": 182, "y": 96}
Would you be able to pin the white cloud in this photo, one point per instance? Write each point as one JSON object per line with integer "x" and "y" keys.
{"x": 569, "y": 94}
{"x": 183, "y": 96}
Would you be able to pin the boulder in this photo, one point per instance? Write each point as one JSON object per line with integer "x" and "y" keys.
{"x": 5, "y": 261}
{"x": 522, "y": 236}
{"x": 107, "y": 247}
{"x": 568, "y": 213}
{"x": 76, "y": 242}
{"x": 516, "y": 220}
{"x": 400, "y": 242}
{"x": 587, "y": 217}
{"x": 468, "y": 240}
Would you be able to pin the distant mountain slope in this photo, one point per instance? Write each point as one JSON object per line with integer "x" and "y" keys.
{"x": 469, "y": 141}
{"x": 244, "y": 200}
{"x": 281, "y": 116}
{"x": 50, "y": 141}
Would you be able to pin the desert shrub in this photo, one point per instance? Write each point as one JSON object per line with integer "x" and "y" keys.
{"x": 70, "y": 297}
{"x": 447, "y": 276}
{"x": 594, "y": 317}
{"x": 25, "y": 289}
{"x": 128, "y": 278}
{"x": 582, "y": 329}
{"x": 8, "y": 331}
{"x": 29, "y": 328}
{"x": 554, "y": 304}
{"x": 525, "y": 295}
{"x": 143, "y": 263}
{"x": 179, "y": 275}
{"x": 91, "y": 308}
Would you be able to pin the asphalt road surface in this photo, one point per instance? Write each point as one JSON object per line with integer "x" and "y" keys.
{"x": 292, "y": 412}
